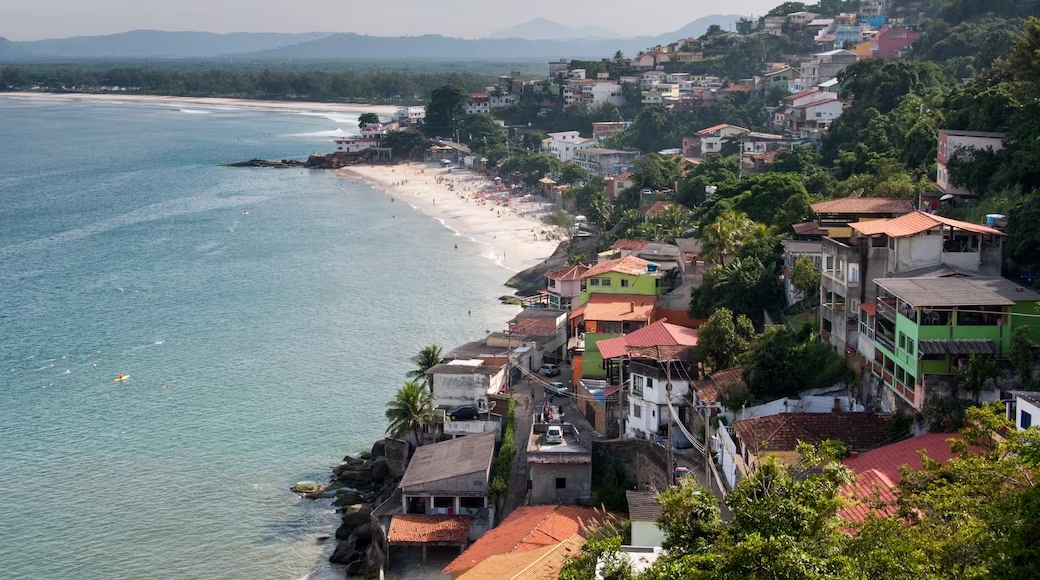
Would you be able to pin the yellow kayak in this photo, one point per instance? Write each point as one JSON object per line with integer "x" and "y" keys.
{"x": 121, "y": 378}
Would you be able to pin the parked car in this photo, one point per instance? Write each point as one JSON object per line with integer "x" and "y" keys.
{"x": 680, "y": 474}
{"x": 554, "y": 435}
{"x": 549, "y": 370}
{"x": 679, "y": 440}
{"x": 464, "y": 413}
{"x": 559, "y": 389}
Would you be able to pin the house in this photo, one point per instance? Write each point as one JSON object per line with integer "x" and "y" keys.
{"x": 602, "y": 130}
{"x": 953, "y": 142}
{"x": 835, "y": 216}
{"x": 806, "y": 111}
{"x": 802, "y": 18}
{"x": 879, "y": 471}
{"x": 870, "y": 9}
{"x": 467, "y": 381}
{"x": 603, "y": 92}
{"x": 451, "y": 478}
{"x": 409, "y": 115}
{"x": 558, "y": 69}
{"x": 893, "y": 43}
{"x": 643, "y": 512}
{"x": 617, "y": 183}
{"x": 712, "y": 138}
{"x": 1022, "y": 408}
{"x": 755, "y": 142}
{"x": 564, "y": 144}
{"x": 778, "y": 78}
{"x": 604, "y": 316}
{"x": 779, "y": 435}
{"x": 651, "y": 359}
{"x": 559, "y": 472}
{"x": 925, "y": 327}
{"x": 542, "y": 329}
{"x": 421, "y": 530}
{"x": 773, "y": 25}
{"x": 526, "y": 529}
{"x": 602, "y": 162}
{"x": 564, "y": 286}
{"x": 538, "y": 564}
{"x": 477, "y": 104}
{"x": 371, "y": 137}
{"x": 826, "y": 65}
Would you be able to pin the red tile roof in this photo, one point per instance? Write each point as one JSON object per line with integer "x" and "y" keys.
{"x": 619, "y": 307}
{"x": 628, "y": 265}
{"x": 540, "y": 564}
{"x": 869, "y": 307}
{"x": 878, "y": 473}
{"x": 632, "y": 245}
{"x": 864, "y": 205}
{"x": 569, "y": 273}
{"x": 710, "y": 391}
{"x": 809, "y": 229}
{"x": 915, "y": 223}
{"x": 657, "y": 334}
{"x": 527, "y": 528}
{"x": 805, "y": 93}
{"x": 783, "y": 431}
{"x": 679, "y": 317}
{"x": 720, "y": 127}
{"x": 424, "y": 529}
{"x": 658, "y": 207}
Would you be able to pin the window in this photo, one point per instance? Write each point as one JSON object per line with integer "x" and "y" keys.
{"x": 473, "y": 503}
{"x": 1025, "y": 420}
{"x": 604, "y": 281}
{"x": 443, "y": 502}
{"x": 649, "y": 383}
{"x": 902, "y": 341}
{"x": 910, "y": 346}
{"x": 637, "y": 385}
{"x": 624, "y": 283}
{"x": 561, "y": 483}
{"x": 594, "y": 282}
{"x": 637, "y": 411}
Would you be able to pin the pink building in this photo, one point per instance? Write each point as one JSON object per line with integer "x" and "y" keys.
{"x": 952, "y": 141}
{"x": 893, "y": 43}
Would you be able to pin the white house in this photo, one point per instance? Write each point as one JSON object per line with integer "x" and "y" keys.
{"x": 409, "y": 115}
{"x": 712, "y": 138}
{"x": 562, "y": 145}
{"x": 600, "y": 93}
{"x": 467, "y": 381}
{"x": 1024, "y": 409}
{"x": 371, "y": 136}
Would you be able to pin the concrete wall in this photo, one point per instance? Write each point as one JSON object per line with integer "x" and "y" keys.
{"x": 917, "y": 252}
{"x": 543, "y": 483}
{"x": 475, "y": 483}
{"x": 464, "y": 389}
{"x": 645, "y": 463}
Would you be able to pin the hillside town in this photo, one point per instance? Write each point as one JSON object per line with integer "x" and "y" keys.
{"x": 728, "y": 312}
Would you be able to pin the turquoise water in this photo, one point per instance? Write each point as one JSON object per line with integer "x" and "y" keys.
{"x": 261, "y": 348}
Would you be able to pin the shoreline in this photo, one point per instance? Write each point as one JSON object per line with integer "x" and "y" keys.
{"x": 386, "y": 110}
{"x": 509, "y": 227}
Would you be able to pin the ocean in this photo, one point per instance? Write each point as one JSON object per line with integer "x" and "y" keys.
{"x": 261, "y": 347}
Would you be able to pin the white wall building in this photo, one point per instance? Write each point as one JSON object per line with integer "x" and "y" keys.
{"x": 409, "y": 114}
{"x": 1024, "y": 410}
{"x": 371, "y": 136}
{"x": 562, "y": 145}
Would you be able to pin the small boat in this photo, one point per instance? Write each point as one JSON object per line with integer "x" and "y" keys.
{"x": 121, "y": 378}
{"x": 245, "y": 213}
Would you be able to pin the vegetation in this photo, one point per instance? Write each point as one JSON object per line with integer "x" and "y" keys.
{"x": 723, "y": 340}
{"x": 780, "y": 363}
{"x": 502, "y": 468}
{"x": 806, "y": 277}
{"x": 424, "y": 360}
{"x": 409, "y": 411}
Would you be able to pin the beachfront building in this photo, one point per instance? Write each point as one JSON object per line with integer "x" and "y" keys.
{"x": 564, "y": 144}
{"x": 371, "y": 137}
{"x": 467, "y": 381}
{"x": 563, "y": 286}
{"x": 560, "y": 472}
{"x": 952, "y": 142}
{"x": 451, "y": 478}
{"x": 410, "y": 115}
{"x": 927, "y": 327}
{"x": 603, "y": 162}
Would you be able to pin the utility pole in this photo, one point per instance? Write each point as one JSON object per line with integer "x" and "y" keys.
{"x": 671, "y": 419}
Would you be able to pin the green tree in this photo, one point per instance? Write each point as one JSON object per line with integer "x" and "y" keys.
{"x": 658, "y": 171}
{"x": 806, "y": 277}
{"x": 571, "y": 174}
{"x": 405, "y": 144}
{"x": 745, "y": 286}
{"x": 534, "y": 167}
{"x": 1021, "y": 355}
{"x": 976, "y": 375}
{"x": 444, "y": 110}
{"x": 723, "y": 236}
{"x": 410, "y": 410}
{"x": 424, "y": 360}
{"x": 723, "y": 339}
{"x": 367, "y": 119}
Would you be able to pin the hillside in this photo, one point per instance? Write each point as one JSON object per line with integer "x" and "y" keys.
{"x": 158, "y": 44}
{"x": 544, "y": 29}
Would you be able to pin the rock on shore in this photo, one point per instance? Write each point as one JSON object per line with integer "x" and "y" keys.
{"x": 314, "y": 161}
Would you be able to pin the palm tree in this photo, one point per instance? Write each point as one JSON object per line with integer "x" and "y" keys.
{"x": 409, "y": 410}
{"x": 723, "y": 236}
{"x": 428, "y": 357}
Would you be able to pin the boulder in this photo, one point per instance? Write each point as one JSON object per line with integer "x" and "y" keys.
{"x": 378, "y": 449}
{"x": 345, "y": 553}
{"x": 356, "y": 515}
{"x": 308, "y": 488}
{"x": 375, "y": 556}
{"x": 363, "y": 533}
{"x": 380, "y": 470}
{"x": 348, "y": 497}
{"x": 354, "y": 476}
{"x": 366, "y": 455}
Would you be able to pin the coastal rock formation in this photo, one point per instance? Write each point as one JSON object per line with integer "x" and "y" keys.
{"x": 532, "y": 280}
{"x": 314, "y": 161}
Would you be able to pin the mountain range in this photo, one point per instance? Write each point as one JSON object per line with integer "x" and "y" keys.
{"x": 553, "y": 41}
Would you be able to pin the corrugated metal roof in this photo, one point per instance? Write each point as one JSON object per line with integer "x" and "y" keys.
{"x": 641, "y": 506}
{"x": 447, "y": 459}
{"x": 917, "y": 222}
{"x": 957, "y": 291}
{"x": 957, "y": 346}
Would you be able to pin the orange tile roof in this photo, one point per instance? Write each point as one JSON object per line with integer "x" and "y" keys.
{"x": 657, "y": 208}
{"x": 619, "y": 307}
{"x": 709, "y": 391}
{"x": 804, "y": 93}
{"x": 782, "y": 432}
{"x": 659, "y": 333}
{"x": 878, "y": 473}
{"x": 719, "y": 128}
{"x": 861, "y": 205}
{"x": 540, "y": 564}
{"x": 917, "y": 222}
{"x": 569, "y": 273}
{"x": 633, "y": 245}
{"x": 809, "y": 229}
{"x": 679, "y": 317}
{"x": 527, "y": 528}
{"x": 425, "y": 529}
{"x": 628, "y": 265}
{"x": 577, "y": 312}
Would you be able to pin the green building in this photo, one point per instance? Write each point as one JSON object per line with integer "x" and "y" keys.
{"x": 928, "y": 326}
{"x": 628, "y": 275}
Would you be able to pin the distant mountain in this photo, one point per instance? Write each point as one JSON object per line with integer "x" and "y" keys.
{"x": 161, "y": 44}
{"x": 138, "y": 44}
{"x": 543, "y": 29}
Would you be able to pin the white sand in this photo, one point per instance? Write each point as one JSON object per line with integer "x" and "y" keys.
{"x": 510, "y": 227}
{"x": 384, "y": 110}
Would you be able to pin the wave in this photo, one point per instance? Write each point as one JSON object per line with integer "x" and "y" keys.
{"x": 335, "y": 133}
{"x": 196, "y": 111}
{"x": 338, "y": 117}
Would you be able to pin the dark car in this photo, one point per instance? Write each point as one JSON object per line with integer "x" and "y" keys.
{"x": 464, "y": 413}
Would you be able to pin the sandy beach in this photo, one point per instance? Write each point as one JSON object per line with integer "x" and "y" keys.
{"x": 384, "y": 110}
{"x": 510, "y": 227}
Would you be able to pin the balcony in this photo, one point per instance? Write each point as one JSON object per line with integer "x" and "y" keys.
{"x": 886, "y": 310}
{"x": 885, "y": 341}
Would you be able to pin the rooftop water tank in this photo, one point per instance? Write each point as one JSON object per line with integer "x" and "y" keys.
{"x": 651, "y": 267}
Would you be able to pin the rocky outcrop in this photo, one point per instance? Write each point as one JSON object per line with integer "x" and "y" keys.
{"x": 532, "y": 280}
{"x": 314, "y": 161}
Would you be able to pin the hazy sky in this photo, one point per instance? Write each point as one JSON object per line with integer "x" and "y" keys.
{"x": 35, "y": 19}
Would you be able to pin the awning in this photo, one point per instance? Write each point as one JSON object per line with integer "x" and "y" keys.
{"x": 869, "y": 307}
{"x": 957, "y": 346}
{"x": 577, "y": 312}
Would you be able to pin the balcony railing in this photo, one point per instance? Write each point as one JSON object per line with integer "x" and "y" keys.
{"x": 886, "y": 310}
{"x": 885, "y": 341}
